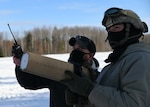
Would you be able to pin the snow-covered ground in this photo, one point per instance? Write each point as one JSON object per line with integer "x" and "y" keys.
{"x": 13, "y": 95}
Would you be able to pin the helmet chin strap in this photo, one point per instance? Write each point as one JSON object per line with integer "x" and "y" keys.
{"x": 127, "y": 30}
{"x": 126, "y": 38}
{"x": 127, "y": 35}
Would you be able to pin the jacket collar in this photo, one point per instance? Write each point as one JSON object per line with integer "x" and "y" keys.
{"x": 136, "y": 47}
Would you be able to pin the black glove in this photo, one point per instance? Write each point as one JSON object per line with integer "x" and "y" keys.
{"x": 93, "y": 73}
{"x": 70, "y": 97}
{"x": 76, "y": 84}
{"x": 17, "y": 51}
{"x": 75, "y": 99}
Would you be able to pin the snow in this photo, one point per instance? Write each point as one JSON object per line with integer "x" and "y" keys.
{"x": 13, "y": 95}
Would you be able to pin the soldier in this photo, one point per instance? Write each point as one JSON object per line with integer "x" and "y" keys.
{"x": 124, "y": 82}
{"x": 83, "y": 50}
{"x": 82, "y": 55}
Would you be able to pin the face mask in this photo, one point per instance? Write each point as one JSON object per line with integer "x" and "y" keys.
{"x": 76, "y": 57}
{"x": 115, "y": 37}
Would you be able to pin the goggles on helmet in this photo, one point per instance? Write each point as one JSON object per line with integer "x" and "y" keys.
{"x": 83, "y": 42}
{"x": 117, "y": 11}
{"x": 112, "y": 11}
{"x": 111, "y": 15}
{"x": 77, "y": 40}
{"x": 80, "y": 43}
{"x": 116, "y": 15}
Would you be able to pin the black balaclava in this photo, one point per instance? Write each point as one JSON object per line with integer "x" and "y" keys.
{"x": 76, "y": 57}
{"x": 114, "y": 37}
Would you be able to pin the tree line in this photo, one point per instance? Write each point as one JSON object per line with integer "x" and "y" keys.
{"x": 52, "y": 40}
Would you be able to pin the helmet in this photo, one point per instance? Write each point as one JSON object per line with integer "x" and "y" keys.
{"x": 115, "y": 15}
{"x": 84, "y": 43}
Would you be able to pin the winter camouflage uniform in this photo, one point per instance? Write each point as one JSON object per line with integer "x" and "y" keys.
{"x": 125, "y": 81}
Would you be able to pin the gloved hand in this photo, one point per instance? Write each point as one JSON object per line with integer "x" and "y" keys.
{"x": 70, "y": 97}
{"x": 75, "y": 99}
{"x": 16, "y": 61}
{"x": 76, "y": 84}
{"x": 17, "y": 51}
{"x": 93, "y": 73}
